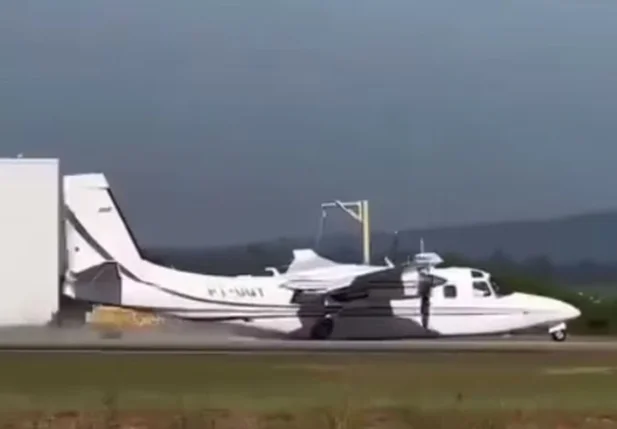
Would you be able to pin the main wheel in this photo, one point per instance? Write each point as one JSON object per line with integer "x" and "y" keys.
{"x": 322, "y": 329}
{"x": 559, "y": 335}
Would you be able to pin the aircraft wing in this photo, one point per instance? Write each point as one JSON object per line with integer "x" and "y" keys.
{"x": 349, "y": 282}
{"x": 314, "y": 275}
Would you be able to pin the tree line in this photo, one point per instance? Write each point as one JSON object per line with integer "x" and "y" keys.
{"x": 252, "y": 258}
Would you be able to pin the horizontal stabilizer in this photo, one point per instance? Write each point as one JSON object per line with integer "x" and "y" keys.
{"x": 103, "y": 272}
{"x": 100, "y": 283}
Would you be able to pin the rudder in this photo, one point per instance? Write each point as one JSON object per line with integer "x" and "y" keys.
{"x": 95, "y": 228}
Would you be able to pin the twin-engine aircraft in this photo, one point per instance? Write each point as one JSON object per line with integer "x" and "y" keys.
{"x": 314, "y": 298}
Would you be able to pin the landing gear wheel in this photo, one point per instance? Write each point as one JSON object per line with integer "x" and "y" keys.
{"x": 559, "y": 335}
{"x": 322, "y": 329}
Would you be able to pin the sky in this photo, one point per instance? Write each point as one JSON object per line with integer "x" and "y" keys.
{"x": 228, "y": 121}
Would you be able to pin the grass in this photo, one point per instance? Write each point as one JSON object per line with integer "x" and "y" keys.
{"x": 421, "y": 390}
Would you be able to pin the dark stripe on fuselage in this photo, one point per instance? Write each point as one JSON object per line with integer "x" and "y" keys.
{"x": 124, "y": 222}
{"x": 81, "y": 229}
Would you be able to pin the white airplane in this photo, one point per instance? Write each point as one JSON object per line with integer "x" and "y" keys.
{"x": 315, "y": 298}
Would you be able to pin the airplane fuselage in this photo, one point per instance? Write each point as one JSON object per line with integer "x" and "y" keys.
{"x": 106, "y": 267}
{"x": 400, "y": 318}
{"x": 261, "y": 306}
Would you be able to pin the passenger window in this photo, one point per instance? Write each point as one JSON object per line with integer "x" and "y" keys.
{"x": 481, "y": 289}
{"x": 449, "y": 291}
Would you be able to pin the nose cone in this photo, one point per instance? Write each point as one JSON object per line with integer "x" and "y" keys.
{"x": 569, "y": 311}
{"x": 551, "y": 309}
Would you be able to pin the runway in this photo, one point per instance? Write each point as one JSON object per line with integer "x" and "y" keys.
{"x": 206, "y": 341}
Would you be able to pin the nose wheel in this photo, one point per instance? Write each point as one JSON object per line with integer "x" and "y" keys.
{"x": 559, "y": 332}
{"x": 559, "y": 335}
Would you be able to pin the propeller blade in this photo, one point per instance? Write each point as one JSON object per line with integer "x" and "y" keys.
{"x": 393, "y": 253}
{"x": 425, "y": 286}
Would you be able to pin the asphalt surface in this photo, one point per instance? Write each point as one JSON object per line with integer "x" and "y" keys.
{"x": 218, "y": 340}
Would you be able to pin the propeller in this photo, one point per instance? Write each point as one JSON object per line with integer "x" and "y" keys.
{"x": 425, "y": 286}
{"x": 424, "y": 262}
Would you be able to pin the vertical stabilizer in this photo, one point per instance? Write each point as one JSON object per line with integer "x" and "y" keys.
{"x": 95, "y": 229}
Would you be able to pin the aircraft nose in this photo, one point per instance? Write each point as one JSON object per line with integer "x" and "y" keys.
{"x": 561, "y": 309}
{"x": 569, "y": 311}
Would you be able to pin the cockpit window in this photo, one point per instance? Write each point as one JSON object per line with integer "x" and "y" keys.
{"x": 477, "y": 274}
{"x": 481, "y": 289}
{"x": 499, "y": 288}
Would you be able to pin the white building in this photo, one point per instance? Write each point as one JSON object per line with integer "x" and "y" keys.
{"x": 31, "y": 245}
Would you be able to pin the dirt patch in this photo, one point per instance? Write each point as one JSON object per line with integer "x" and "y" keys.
{"x": 580, "y": 370}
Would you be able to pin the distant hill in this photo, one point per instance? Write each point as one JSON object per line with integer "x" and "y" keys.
{"x": 581, "y": 249}
{"x": 565, "y": 240}
{"x": 569, "y": 239}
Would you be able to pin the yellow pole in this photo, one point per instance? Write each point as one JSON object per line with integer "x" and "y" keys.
{"x": 366, "y": 232}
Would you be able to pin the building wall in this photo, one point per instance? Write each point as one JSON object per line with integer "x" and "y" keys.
{"x": 30, "y": 248}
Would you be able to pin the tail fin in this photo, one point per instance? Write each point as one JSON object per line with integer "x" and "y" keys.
{"x": 95, "y": 229}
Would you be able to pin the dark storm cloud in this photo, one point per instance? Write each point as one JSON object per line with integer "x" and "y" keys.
{"x": 229, "y": 121}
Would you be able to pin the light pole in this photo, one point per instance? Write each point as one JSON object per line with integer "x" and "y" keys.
{"x": 357, "y": 210}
